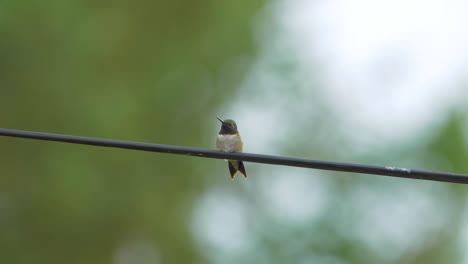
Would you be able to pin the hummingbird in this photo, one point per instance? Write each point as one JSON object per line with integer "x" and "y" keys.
{"x": 229, "y": 140}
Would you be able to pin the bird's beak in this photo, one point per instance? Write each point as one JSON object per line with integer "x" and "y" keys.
{"x": 220, "y": 120}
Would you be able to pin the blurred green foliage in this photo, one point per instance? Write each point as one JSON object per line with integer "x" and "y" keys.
{"x": 151, "y": 71}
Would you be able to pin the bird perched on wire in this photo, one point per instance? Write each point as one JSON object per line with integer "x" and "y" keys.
{"x": 229, "y": 140}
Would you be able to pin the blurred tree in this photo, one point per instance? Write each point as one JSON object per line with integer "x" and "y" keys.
{"x": 136, "y": 70}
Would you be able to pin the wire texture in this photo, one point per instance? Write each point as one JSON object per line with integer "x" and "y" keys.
{"x": 258, "y": 158}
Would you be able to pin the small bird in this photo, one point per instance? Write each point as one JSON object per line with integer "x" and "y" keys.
{"x": 229, "y": 140}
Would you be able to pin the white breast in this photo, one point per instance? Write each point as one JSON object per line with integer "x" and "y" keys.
{"x": 229, "y": 143}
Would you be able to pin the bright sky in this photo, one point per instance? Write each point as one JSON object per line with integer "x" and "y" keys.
{"x": 391, "y": 66}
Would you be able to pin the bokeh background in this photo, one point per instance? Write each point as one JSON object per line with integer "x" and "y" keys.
{"x": 372, "y": 82}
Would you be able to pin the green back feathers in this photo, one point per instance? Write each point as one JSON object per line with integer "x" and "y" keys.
{"x": 230, "y": 122}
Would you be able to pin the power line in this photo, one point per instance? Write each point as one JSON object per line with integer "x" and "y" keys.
{"x": 258, "y": 158}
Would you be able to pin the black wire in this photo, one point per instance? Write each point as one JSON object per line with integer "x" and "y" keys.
{"x": 267, "y": 159}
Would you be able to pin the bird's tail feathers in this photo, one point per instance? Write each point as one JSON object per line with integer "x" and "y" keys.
{"x": 232, "y": 170}
{"x": 236, "y": 166}
{"x": 242, "y": 169}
